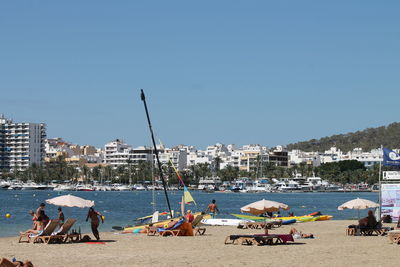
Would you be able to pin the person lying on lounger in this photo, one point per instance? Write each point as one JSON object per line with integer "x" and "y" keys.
{"x": 298, "y": 234}
{"x": 38, "y": 227}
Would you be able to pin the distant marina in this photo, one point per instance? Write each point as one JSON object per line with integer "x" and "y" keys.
{"x": 208, "y": 185}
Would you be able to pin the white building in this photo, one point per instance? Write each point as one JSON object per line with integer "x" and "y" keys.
{"x": 22, "y": 144}
{"x": 310, "y": 158}
{"x": 369, "y": 159}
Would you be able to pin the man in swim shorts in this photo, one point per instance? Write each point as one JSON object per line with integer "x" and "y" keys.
{"x": 212, "y": 208}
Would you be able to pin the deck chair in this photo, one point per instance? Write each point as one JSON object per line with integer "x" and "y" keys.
{"x": 195, "y": 224}
{"x": 52, "y": 225}
{"x": 257, "y": 239}
{"x": 47, "y": 231}
{"x": 152, "y": 230}
{"x": 276, "y": 224}
{"x": 370, "y": 230}
{"x": 62, "y": 234}
{"x": 174, "y": 230}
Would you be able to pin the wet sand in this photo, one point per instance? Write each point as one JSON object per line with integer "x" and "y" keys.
{"x": 331, "y": 247}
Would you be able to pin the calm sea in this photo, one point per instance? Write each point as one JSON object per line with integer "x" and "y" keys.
{"x": 120, "y": 208}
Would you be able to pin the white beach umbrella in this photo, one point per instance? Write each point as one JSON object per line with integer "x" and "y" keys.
{"x": 262, "y": 206}
{"x": 358, "y": 204}
{"x": 70, "y": 201}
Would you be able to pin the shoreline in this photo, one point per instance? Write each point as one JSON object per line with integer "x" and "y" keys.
{"x": 331, "y": 247}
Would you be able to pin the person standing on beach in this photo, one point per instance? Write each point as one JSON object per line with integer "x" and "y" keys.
{"x": 38, "y": 210}
{"x": 94, "y": 220}
{"x": 212, "y": 208}
{"x": 61, "y": 216}
{"x": 40, "y": 213}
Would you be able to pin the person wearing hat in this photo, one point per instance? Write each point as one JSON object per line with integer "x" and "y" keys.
{"x": 189, "y": 216}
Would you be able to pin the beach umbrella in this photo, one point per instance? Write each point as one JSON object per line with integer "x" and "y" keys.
{"x": 70, "y": 201}
{"x": 358, "y": 204}
{"x": 262, "y": 206}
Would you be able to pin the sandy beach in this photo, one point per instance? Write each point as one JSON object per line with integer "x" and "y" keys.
{"x": 331, "y": 247}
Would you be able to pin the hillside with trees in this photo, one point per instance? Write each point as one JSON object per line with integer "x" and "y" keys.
{"x": 388, "y": 136}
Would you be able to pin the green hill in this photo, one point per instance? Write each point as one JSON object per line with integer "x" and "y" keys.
{"x": 388, "y": 136}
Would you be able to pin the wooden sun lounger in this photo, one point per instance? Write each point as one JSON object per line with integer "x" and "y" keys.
{"x": 259, "y": 240}
{"x": 174, "y": 232}
{"x": 394, "y": 236}
{"x": 50, "y": 227}
{"x": 45, "y": 235}
{"x": 197, "y": 229}
{"x": 256, "y": 225}
{"x": 367, "y": 231}
{"x": 152, "y": 230}
{"x": 62, "y": 235}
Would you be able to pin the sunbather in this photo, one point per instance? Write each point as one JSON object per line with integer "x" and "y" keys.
{"x": 298, "y": 234}
{"x": 369, "y": 221}
{"x": 6, "y": 263}
{"x": 34, "y": 219}
{"x": 38, "y": 226}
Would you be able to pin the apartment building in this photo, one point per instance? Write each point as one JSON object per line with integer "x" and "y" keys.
{"x": 21, "y": 144}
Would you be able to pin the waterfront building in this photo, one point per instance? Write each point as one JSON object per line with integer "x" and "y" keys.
{"x": 21, "y": 144}
{"x": 309, "y": 158}
{"x": 279, "y": 157}
{"x": 369, "y": 159}
{"x": 177, "y": 156}
{"x": 117, "y": 153}
{"x": 250, "y": 157}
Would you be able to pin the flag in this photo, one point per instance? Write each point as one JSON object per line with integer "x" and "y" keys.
{"x": 390, "y": 158}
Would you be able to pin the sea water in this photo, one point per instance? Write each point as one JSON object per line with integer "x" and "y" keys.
{"x": 121, "y": 208}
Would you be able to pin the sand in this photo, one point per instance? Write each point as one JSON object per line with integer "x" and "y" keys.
{"x": 331, "y": 247}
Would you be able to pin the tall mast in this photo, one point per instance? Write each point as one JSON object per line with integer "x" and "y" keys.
{"x": 156, "y": 151}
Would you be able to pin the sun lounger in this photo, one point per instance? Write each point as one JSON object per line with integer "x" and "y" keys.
{"x": 48, "y": 230}
{"x": 258, "y": 239}
{"x": 50, "y": 227}
{"x": 394, "y": 236}
{"x": 152, "y": 230}
{"x": 198, "y": 230}
{"x": 174, "y": 230}
{"x": 276, "y": 224}
{"x": 370, "y": 230}
{"x": 62, "y": 234}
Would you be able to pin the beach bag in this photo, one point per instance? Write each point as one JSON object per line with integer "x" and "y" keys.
{"x": 86, "y": 238}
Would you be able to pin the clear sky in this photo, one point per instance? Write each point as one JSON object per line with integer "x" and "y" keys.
{"x": 267, "y": 72}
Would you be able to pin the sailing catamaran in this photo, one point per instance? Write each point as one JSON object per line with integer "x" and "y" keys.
{"x": 187, "y": 197}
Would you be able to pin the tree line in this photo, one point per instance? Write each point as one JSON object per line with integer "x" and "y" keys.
{"x": 342, "y": 172}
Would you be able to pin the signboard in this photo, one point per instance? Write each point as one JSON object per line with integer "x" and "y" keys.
{"x": 391, "y": 175}
{"x": 391, "y": 201}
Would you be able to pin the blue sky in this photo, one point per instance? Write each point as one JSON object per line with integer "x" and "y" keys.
{"x": 268, "y": 72}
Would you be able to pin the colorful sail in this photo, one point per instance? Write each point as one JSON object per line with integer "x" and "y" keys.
{"x": 186, "y": 194}
{"x": 187, "y": 197}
